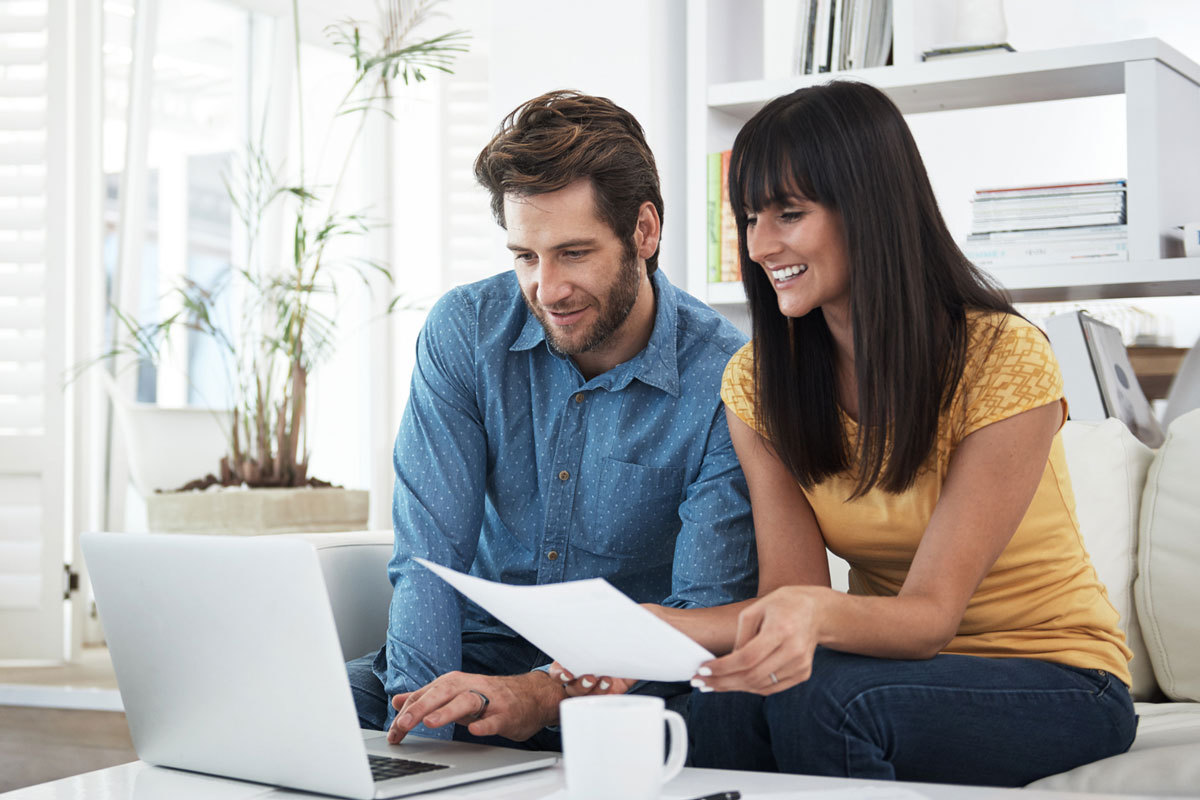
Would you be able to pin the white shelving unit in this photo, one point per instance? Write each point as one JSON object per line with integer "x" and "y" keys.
{"x": 1162, "y": 100}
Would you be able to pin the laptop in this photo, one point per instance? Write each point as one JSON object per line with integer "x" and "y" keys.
{"x": 228, "y": 663}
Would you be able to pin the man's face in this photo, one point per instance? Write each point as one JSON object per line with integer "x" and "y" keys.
{"x": 576, "y": 276}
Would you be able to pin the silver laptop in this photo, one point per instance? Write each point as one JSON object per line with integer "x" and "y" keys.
{"x": 228, "y": 663}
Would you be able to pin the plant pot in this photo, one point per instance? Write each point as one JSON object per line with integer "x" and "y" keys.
{"x": 251, "y": 512}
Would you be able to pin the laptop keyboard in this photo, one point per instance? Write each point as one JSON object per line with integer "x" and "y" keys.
{"x": 384, "y": 768}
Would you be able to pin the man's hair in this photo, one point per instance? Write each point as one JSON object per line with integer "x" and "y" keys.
{"x": 554, "y": 140}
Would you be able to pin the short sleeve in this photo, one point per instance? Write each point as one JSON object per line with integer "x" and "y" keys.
{"x": 1014, "y": 370}
{"x": 737, "y": 385}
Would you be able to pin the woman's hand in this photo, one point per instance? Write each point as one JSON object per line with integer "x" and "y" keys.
{"x": 773, "y": 651}
{"x": 586, "y": 685}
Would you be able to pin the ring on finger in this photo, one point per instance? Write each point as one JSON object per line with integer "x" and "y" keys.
{"x": 773, "y": 677}
{"x": 484, "y": 702}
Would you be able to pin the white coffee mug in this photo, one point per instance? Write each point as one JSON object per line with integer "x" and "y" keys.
{"x": 613, "y": 746}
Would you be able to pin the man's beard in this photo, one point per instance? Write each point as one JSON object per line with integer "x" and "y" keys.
{"x": 614, "y": 310}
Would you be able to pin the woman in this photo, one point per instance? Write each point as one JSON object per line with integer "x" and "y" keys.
{"x": 894, "y": 408}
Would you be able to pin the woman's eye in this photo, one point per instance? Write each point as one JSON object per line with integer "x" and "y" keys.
{"x": 791, "y": 216}
{"x": 750, "y": 220}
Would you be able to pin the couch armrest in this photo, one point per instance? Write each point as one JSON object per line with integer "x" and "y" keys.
{"x": 354, "y": 564}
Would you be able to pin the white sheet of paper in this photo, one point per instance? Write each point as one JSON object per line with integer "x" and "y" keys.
{"x": 587, "y": 626}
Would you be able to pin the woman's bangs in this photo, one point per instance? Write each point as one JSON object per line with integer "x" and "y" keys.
{"x": 770, "y": 170}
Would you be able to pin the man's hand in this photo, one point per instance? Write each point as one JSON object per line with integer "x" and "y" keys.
{"x": 517, "y": 706}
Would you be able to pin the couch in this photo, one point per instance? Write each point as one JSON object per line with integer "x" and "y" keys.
{"x": 1139, "y": 511}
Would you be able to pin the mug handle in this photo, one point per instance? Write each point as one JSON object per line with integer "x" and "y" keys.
{"x": 679, "y": 745}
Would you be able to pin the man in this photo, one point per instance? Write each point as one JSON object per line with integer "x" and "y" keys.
{"x": 564, "y": 423}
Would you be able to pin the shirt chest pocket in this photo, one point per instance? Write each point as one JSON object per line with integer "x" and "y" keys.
{"x": 636, "y": 510}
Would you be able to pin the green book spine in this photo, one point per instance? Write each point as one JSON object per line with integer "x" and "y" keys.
{"x": 714, "y": 217}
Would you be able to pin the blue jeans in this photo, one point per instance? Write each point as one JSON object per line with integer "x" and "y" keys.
{"x": 949, "y": 719}
{"x": 482, "y": 654}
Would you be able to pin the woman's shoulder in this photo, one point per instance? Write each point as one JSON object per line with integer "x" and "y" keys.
{"x": 739, "y": 372}
{"x": 1010, "y": 368}
{"x": 737, "y": 385}
{"x": 998, "y": 336}
{"x": 983, "y": 324}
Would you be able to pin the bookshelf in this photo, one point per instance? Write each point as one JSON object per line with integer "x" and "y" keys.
{"x": 1162, "y": 98}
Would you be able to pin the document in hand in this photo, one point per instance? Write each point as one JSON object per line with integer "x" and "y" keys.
{"x": 587, "y": 626}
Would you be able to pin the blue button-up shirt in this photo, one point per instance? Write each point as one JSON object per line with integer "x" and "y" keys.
{"x": 514, "y": 467}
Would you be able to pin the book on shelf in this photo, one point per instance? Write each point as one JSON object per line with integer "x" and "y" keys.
{"x": 729, "y": 235}
{"x": 1098, "y": 380}
{"x": 714, "y": 217}
{"x": 1059, "y": 221}
{"x": 821, "y": 35}
{"x": 1086, "y": 233}
{"x": 722, "y": 250}
{"x": 966, "y": 51}
{"x": 834, "y": 35}
{"x": 1058, "y": 204}
{"x": 805, "y": 34}
{"x": 1051, "y": 189}
{"x": 1088, "y": 204}
{"x": 1036, "y": 253}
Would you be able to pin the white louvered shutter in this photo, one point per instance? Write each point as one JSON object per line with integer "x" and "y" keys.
{"x": 33, "y": 328}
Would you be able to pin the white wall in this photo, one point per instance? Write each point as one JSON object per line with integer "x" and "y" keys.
{"x": 630, "y": 51}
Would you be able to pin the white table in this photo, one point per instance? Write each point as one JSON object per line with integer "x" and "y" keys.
{"x": 140, "y": 781}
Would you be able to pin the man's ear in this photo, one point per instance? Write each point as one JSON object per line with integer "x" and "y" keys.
{"x": 648, "y": 230}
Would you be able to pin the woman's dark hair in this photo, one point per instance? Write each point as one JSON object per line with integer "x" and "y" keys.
{"x": 559, "y": 137}
{"x": 845, "y": 146}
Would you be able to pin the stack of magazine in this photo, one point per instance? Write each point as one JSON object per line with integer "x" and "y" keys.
{"x": 842, "y": 34}
{"x": 1055, "y": 224}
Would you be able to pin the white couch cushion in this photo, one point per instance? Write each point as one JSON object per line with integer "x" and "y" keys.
{"x": 354, "y": 565}
{"x": 1164, "y": 759}
{"x": 1168, "y": 583}
{"x": 1108, "y": 470}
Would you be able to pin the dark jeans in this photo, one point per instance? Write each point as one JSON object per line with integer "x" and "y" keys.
{"x": 482, "y": 654}
{"x": 950, "y": 719}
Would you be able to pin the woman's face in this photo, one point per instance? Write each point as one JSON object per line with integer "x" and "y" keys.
{"x": 802, "y": 247}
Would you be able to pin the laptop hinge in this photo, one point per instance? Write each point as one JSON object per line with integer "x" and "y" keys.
{"x": 70, "y": 581}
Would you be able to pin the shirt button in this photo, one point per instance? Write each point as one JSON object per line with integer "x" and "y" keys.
{"x": 564, "y": 475}
{"x": 579, "y": 397}
{"x": 552, "y": 555}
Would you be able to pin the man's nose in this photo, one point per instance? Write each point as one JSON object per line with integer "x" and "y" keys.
{"x": 553, "y": 286}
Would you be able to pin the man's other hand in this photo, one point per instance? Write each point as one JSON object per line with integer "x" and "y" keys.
{"x": 513, "y": 706}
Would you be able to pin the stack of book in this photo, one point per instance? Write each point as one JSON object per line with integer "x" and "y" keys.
{"x": 1056, "y": 224}
{"x": 842, "y": 34}
{"x": 723, "y": 263}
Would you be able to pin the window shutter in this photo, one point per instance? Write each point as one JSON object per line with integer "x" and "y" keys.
{"x": 33, "y": 323}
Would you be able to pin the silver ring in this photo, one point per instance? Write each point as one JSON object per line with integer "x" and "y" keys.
{"x": 484, "y": 702}
{"x": 773, "y": 678}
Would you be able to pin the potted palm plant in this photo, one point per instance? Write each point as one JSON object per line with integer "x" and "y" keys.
{"x": 282, "y": 334}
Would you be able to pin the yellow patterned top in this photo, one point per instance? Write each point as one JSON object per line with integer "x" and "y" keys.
{"x": 1042, "y": 598}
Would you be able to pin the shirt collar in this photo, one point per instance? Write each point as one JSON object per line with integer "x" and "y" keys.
{"x": 656, "y": 365}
